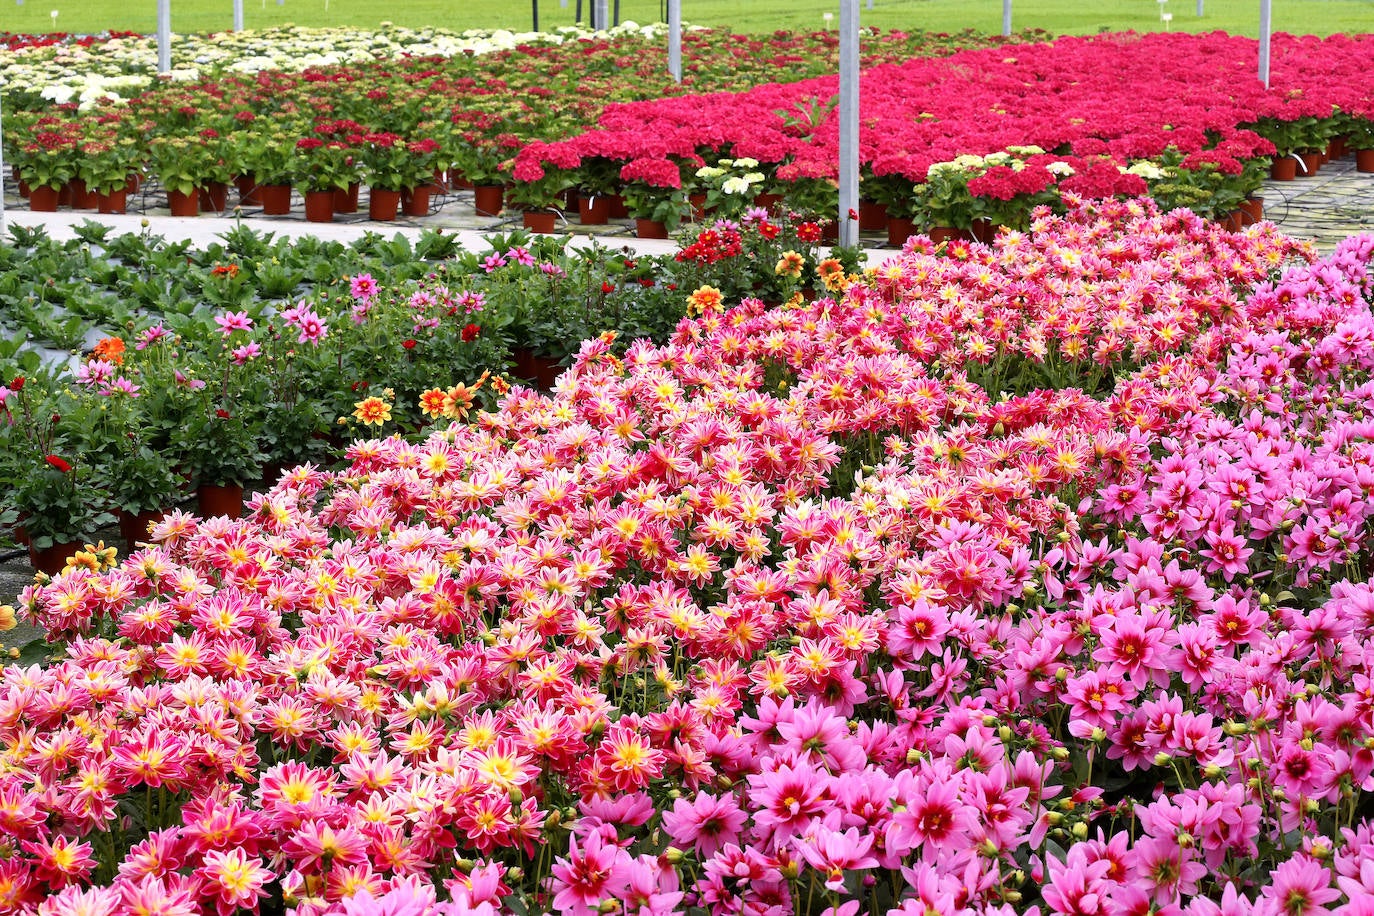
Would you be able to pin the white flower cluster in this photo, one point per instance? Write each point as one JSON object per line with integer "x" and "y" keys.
{"x": 120, "y": 68}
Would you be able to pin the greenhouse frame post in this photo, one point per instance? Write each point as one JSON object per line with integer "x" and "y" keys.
{"x": 675, "y": 39}
{"x": 1006, "y": 18}
{"x": 2, "y": 156}
{"x": 238, "y": 15}
{"x": 164, "y": 36}
{"x": 534, "y": 12}
{"x": 601, "y": 15}
{"x": 849, "y": 121}
{"x": 1266, "y": 26}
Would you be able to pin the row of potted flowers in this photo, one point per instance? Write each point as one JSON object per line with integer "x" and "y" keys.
{"x": 788, "y": 614}
{"x": 218, "y": 396}
{"x": 994, "y": 133}
{"x": 391, "y": 123}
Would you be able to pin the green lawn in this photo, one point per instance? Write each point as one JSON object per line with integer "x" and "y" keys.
{"x": 1060, "y": 16}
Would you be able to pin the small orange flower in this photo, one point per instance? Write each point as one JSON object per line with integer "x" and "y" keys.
{"x": 705, "y": 300}
{"x": 110, "y": 349}
{"x": 790, "y": 264}
{"x": 458, "y": 399}
{"x": 372, "y": 411}
{"x": 432, "y": 403}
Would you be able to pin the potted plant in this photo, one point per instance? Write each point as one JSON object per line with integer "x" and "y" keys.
{"x": 386, "y": 168}
{"x": 729, "y": 187}
{"x": 47, "y": 162}
{"x": 268, "y": 158}
{"x": 943, "y": 199}
{"x": 51, "y": 486}
{"x": 319, "y": 167}
{"x": 536, "y": 192}
{"x": 480, "y": 157}
{"x": 654, "y": 196}
{"x": 106, "y": 164}
{"x": 597, "y": 180}
{"x": 422, "y": 163}
{"x": 182, "y": 164}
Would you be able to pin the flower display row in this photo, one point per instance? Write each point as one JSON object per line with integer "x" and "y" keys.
{"x": 268, "y": 372}
{"x": 395, "y": 114}
{"x": 787, "y": 614}
{"x": 993, "y": 133}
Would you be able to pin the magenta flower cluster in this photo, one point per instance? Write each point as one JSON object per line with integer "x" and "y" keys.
{"x": 788, "y": 615}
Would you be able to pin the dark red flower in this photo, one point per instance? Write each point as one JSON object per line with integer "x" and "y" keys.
{"x": 408, "y": 343}
{"x": 470, "y": 332}
{"x": 58, "y": 463}
{"x": 607, "y": 286}
{"x": 222, "y": 413}
{"x": 17, "y": 384}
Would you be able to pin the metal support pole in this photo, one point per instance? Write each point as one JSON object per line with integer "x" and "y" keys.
{"x": 600, "y": 15}
{"x": 675, "y": 39}
{"x": 1199, "y": 8}
{"x": 849, "y": 121}
{"x": 2, "y": 157}
{"x": 1266, "y": 27}
{"x": 238, "y": 15}
{"x": 578, "y": 17}
{"x": 1006, "y": 18}
{"x": 616, "y": 20}
{"x": 164, "y": 36}
{"x": 535, "y": 5}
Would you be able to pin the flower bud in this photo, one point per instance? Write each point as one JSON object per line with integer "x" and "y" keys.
{"x": 1080, "y": 830}
{"x": 1161, "y": 759}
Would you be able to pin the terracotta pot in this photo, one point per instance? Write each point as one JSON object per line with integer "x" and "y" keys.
{"x": 650, "y": 229}
{"x": 415, "y": 201}
{"x": 1233, "y": 221}
{"x": 768, "y": 201}
{"x": 487, "y": 199}
{"x": 81, "y": 198}
{"x": 134, "y": 183}
{"x": 872, "y": 216}
{"x": 276, "y": 199}
{"x": 64, "y": 195}
{"x": 983, "y": 230}
{"x": 899, "y": 230}
{"x": 113, "y": 201}
{"x": 1364, "y": 160}
{"x": 24, "y": 190}
{"x": 1284, "y": 169}
{"x": 133, "y": 527}
{"x": 1252, "y": 210}
{"x": 1313, "y": 162}
{"x": 830, "y": 232}
{"x": 382, "y": 204}
{"x": 698, "y": 202}
{"x": 319, "y": 206}
{"x": 543, "y": 222}
{"x": 51, "y": 560}
{"x": 593, "y": 209}
{"x": 183, "y": 204}
{"x": 1335, "y": 148}
{"x": 249, "y": 192}
{"x": 457, "y": 181}
{"x": 43, "y": 200}
{"x": 541, "y": 370}
{"x": 439, "y": 180}
{"x": 346, "y": 199}
{"x": 213, "y": 499}
{"x": 214, "y": 197}
{"x": 617, "y": 206}
{"x": 943, "y": 234}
